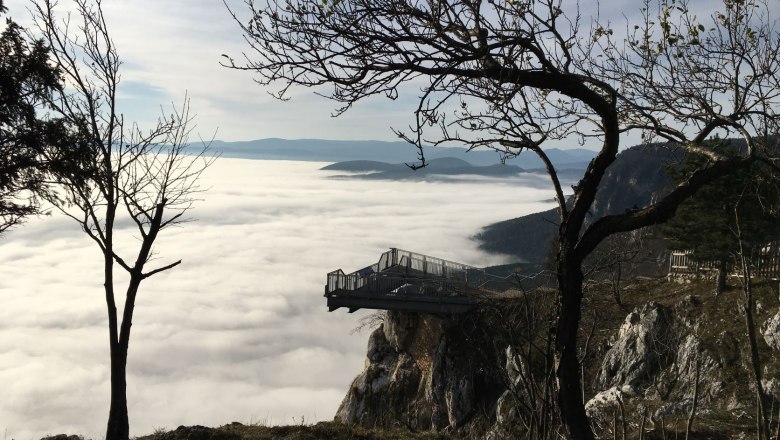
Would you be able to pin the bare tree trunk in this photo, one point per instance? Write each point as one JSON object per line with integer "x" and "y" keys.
{"x": 614, "y": 424}
{"x": 118, "y": 422}
{"x": 547, "y": 405}
{"x": 720, "y": 282}
{"x": 584, "y": 356}
{"x": 569, "y": 389}
{"x": 755, "y": 360}
{"x": 616, "y": 276}
{"x": 118, "y": 419}
{"x": 118, "y": 427}
{"x": 663, "y": 428}
{"x": 623, "y": 423}
{"x": 695, "y": 402}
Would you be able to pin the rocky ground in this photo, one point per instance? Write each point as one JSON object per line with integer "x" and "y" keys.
{"x": 483, "y": 375}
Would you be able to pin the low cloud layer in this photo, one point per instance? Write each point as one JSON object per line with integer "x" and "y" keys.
{"x": 239, "y": 331}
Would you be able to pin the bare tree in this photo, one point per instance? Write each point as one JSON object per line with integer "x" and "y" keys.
{"x": 746, "y": 248}
{"x": 148, "y": 178}
{"x": 516, "y": 75}
{"x": 615, "y": 260}
{"x": 521, "y": 355}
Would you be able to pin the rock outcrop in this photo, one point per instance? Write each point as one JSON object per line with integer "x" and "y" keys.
{"x": 658, "y": 361}
{"x": 771, "y": 331}
{"x": 644, "y": 345}
{"x": 420, "y": 373}
{"x": 489, "y": 374}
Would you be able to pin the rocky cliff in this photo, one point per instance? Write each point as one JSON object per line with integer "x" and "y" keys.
{"x": 421, "y": 373}
{"x": 487, "y": 374}
{"x": 427, "y": 373}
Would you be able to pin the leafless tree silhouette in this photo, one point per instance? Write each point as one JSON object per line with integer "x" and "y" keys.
{"x": 518, "y": 75}
{"x": 147, "y": 177}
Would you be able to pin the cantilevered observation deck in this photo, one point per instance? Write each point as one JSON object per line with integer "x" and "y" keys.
{"x": 412, "y": 282}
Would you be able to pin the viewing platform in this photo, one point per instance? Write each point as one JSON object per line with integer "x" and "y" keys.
{"x": 412, "y": 282}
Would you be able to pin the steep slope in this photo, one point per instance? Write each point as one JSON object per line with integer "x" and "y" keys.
{"x": 637, "y": 176}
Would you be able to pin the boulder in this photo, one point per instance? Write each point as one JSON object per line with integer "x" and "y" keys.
{"x": 645, "y": 344}
{"x": 771, "y": 331}
{"x": 603, "y": 403}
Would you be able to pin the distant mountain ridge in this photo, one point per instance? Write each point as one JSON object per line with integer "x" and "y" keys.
{"x": 445, "y": 166}
{"x": 321, "y": 150}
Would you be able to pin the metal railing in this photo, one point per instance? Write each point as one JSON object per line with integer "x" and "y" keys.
{"x": 425, "y": 264}
{"x": 400, "y": 272}
{"x": 420, "y": 273}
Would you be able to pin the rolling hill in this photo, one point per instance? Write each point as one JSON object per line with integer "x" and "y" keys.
{"x": 388, "y": 152}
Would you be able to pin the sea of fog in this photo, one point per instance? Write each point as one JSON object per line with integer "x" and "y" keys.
{"x": 239, "y": 331}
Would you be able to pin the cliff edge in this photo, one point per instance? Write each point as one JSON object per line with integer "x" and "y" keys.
{"x": 488, "y": 374}
{"x": 422, "y": 373}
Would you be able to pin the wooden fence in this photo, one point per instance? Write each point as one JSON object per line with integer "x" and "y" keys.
{"x": 765, "y": 263}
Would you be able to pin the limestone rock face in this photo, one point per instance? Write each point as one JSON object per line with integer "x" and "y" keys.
{"x": 507, "y": 410}
{"x": 399, "y": 327}
{"x": 691, "y": 355}
{"x": 643, "y": 346}
{"x": 771, "y": 331}
{"x": 657, "y": 360}
{"x": 425, "y": 373}
{"x": 417, "y": 375}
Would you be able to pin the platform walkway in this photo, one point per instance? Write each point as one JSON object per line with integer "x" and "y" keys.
{"x": 407, "y": 281}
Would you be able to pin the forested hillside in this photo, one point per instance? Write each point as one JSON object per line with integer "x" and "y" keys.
{"x": 637, "y": 176}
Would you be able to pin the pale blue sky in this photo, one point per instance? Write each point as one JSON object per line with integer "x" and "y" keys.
{"x": 174, "y": 47}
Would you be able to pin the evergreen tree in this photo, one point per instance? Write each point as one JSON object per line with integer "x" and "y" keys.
{"x": 705, "y": 224}
{"x": 31, "y": 145}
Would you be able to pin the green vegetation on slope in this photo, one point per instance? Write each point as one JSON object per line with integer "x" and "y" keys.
{"x": 637, "y": 177}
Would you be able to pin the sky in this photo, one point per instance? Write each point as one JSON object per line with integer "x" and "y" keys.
{"x": 171, "y": 48}
{"x": 239, "y": 331}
